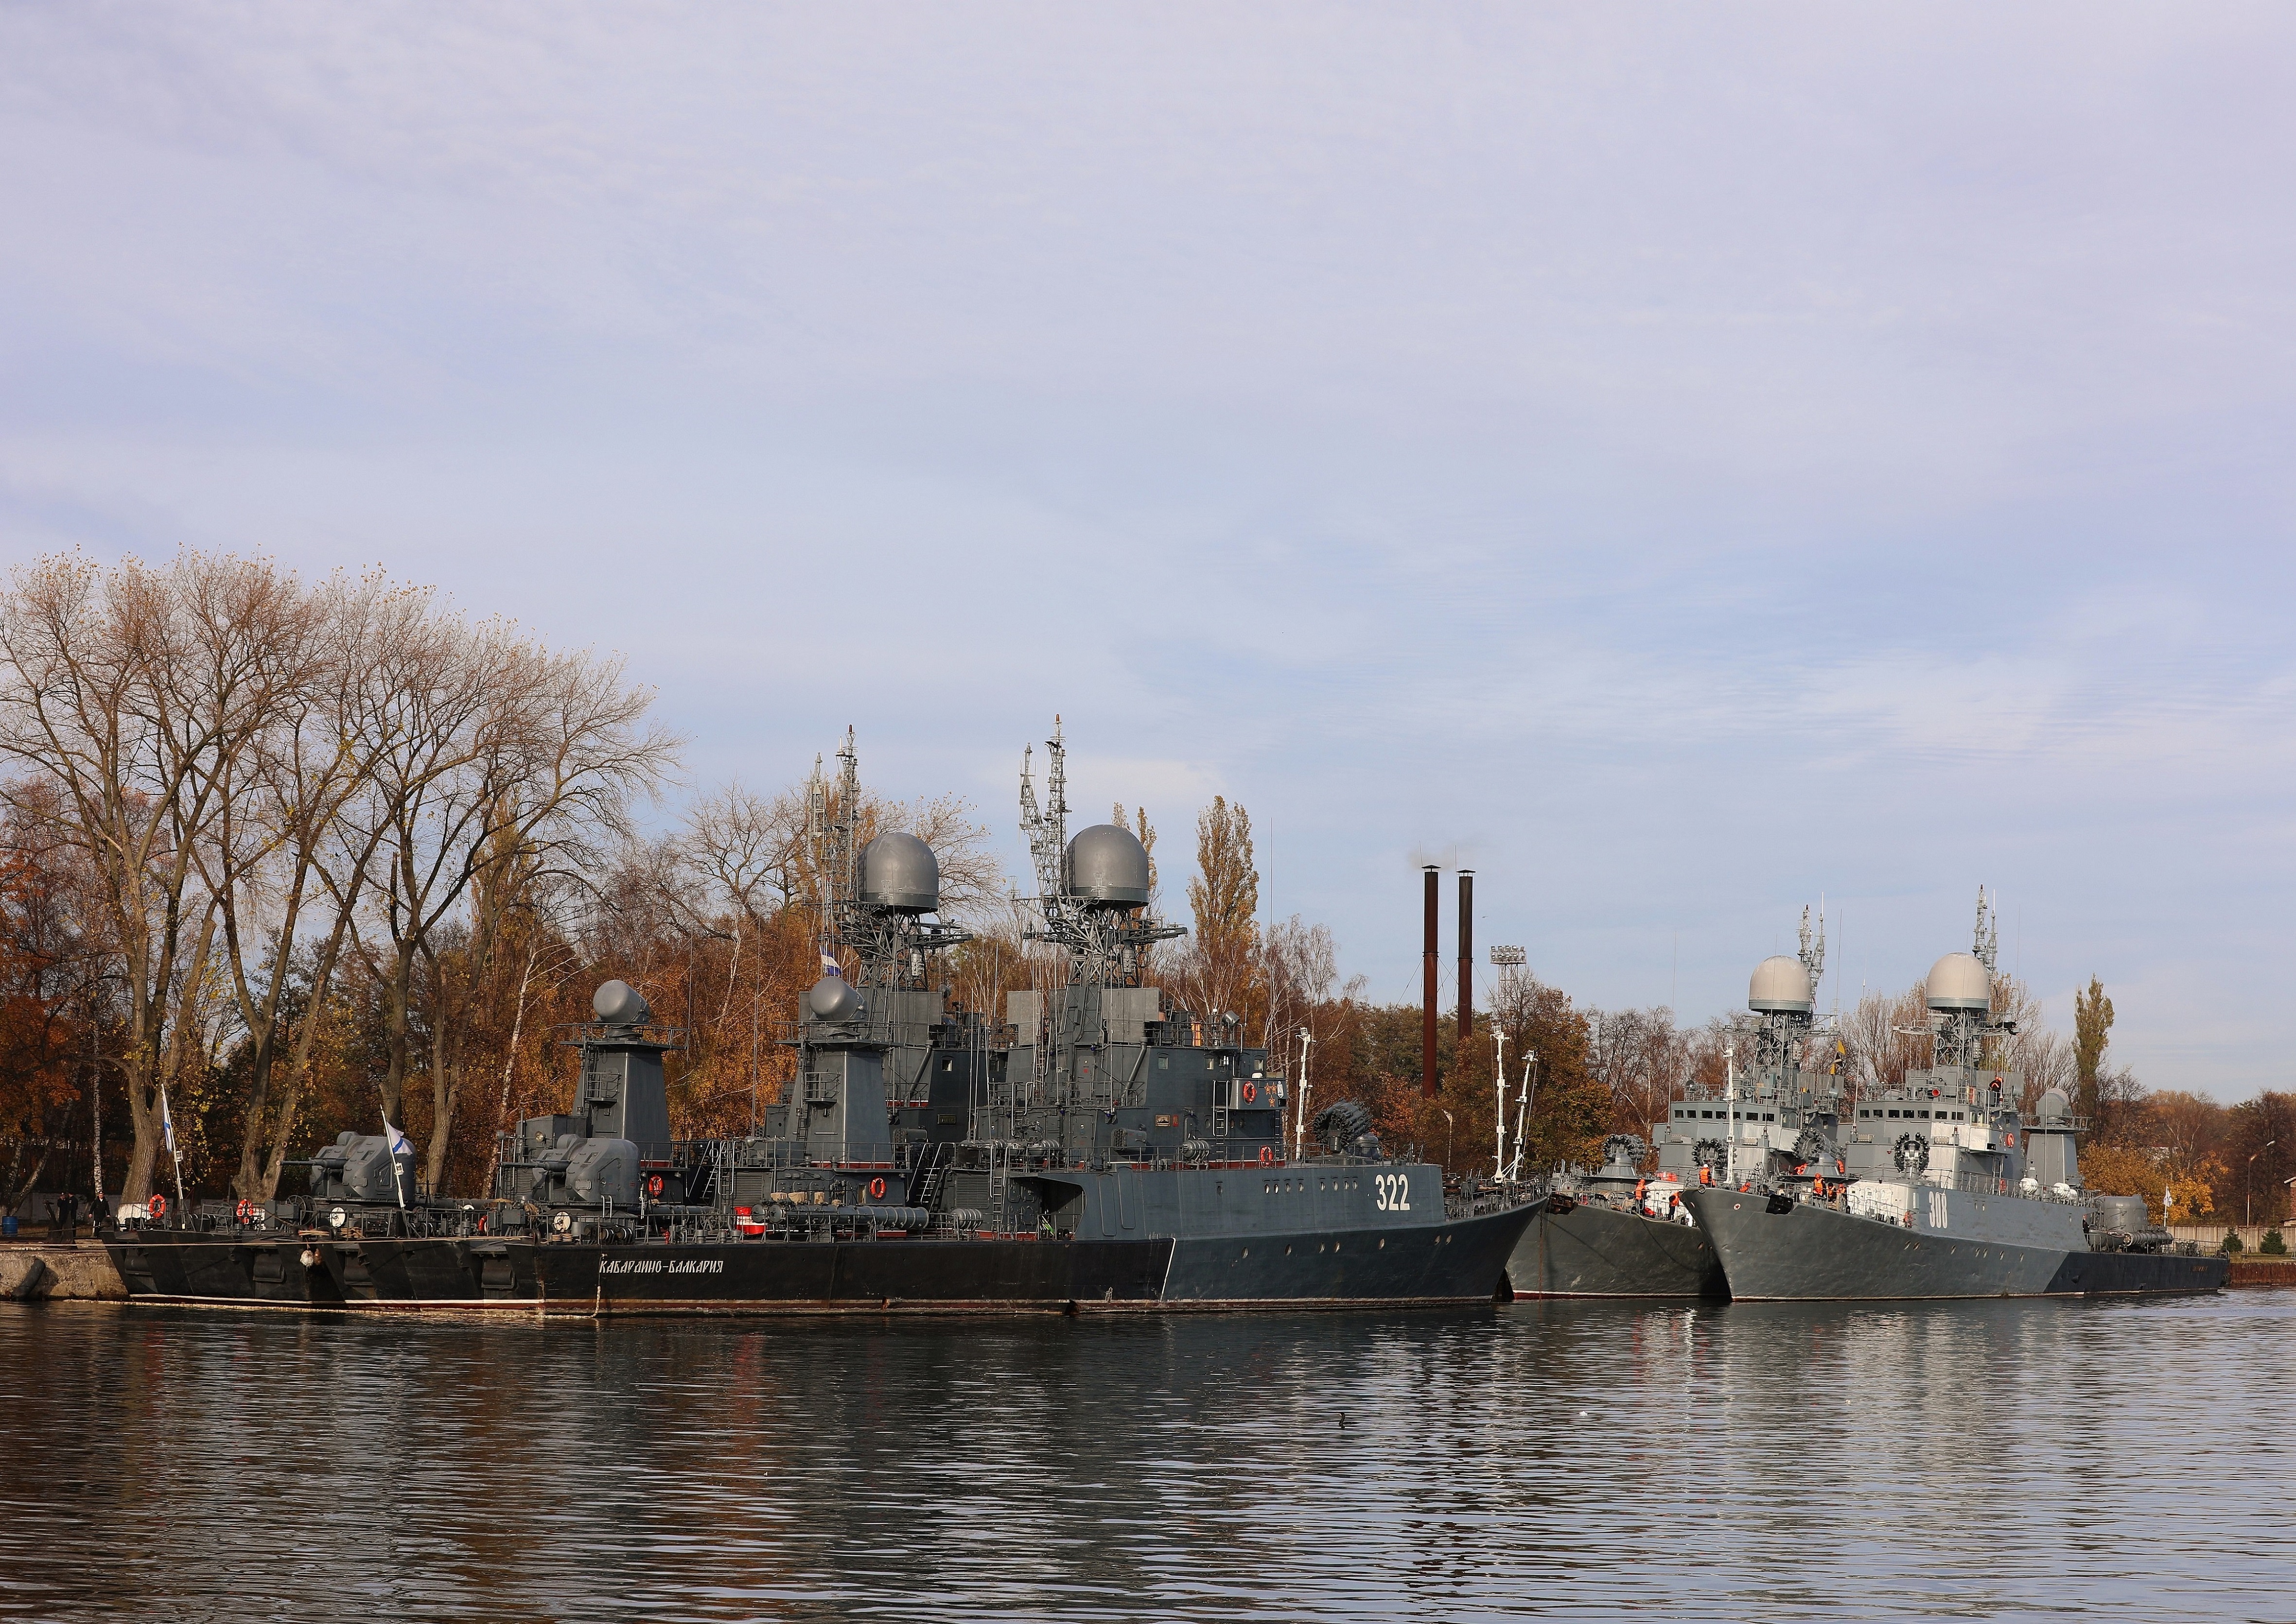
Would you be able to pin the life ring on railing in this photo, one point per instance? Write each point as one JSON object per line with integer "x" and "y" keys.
{"x": 876, "y": 1189}
{"x": 1250, "y": 1092}
{"x": 1267, "y": 1155}
{"x": 157, "y": 1206}
{"x": 654, "y": 1187}
{"x": 245, "y": 1211}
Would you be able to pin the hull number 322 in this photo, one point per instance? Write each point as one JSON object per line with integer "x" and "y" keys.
{"x": 1394, "y": 1192}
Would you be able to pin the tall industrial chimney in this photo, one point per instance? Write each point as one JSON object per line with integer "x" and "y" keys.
{"x": 1466, "y": 960}
{"x": 1427, "y": 1044}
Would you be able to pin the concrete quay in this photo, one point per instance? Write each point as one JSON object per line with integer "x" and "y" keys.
{"x": 31, "y": 1271}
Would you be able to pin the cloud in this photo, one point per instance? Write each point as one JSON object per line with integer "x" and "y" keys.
{"x": 1688, "y": 461}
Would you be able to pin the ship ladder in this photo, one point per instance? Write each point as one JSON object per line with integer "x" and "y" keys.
{"x": 928, "y": 1195}
{"x": 999, "y": 1176}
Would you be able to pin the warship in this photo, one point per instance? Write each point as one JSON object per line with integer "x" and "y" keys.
{"x": 1943, "y": 1189}
{"x": 1095, "y": 1149}
{"x": 1618, "y": 1231}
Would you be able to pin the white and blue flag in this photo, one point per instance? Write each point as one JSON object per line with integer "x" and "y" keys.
{"x": 166, "y": 1123}
{"x": 829, "y": 966}
{"x": 395, "y": 1143}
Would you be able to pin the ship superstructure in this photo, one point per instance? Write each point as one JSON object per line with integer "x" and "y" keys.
{"x": 1946, "y": 1190}
{"x": 1778, "y": 1113}
{"x": 1096, "y": 1148}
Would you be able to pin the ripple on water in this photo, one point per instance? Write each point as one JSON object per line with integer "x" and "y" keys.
{"x": 1774, "y": 1461}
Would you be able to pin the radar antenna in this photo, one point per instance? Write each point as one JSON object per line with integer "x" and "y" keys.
{"x": 1048, "y": 832}
{"x": 1104, "y": 944}
{"x": 1813, "y": 957}
{"x": 888, "y": 945}
{"x": 1988, "y": 945}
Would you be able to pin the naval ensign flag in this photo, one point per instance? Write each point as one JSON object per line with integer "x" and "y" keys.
{"x": 396, "y": 1144}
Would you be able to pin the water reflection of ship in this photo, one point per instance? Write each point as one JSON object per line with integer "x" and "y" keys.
{"x": 1094, "y": 1150}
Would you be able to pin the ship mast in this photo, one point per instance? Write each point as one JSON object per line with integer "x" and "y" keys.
{"x": 1105, "y": 943}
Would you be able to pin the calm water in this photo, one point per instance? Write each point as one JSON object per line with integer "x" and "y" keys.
{"x": 1752, "y": 1462}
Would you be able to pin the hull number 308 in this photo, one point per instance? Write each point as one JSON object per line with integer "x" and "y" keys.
{"x": 1394, "y": 1190}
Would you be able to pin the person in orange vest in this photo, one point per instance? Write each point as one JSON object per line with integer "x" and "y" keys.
{"x": 1706, "y": 1177}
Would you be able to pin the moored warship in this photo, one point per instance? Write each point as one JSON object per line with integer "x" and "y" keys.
{"x": 1095, "y": 1149}
{"x": 1950, "y": 1191}
{"x": 1621, "y": 1232}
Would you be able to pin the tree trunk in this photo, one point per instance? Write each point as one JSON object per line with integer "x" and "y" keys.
{"x": 445, "y": 1082}
{"x": 394, "y": 1075}
{"x": 18, "y": 1187}
{"x": 510, "y": 1059}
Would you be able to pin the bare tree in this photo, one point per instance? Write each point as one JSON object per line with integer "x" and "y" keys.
{"x": 1641, "y": 1061}
{"x": 136, "y": 694}
{"x": 486, "y": 748}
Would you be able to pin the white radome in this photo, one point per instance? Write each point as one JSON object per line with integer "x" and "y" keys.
{"x": 1959, "y": 981}
{"x": 1781, "y": 983}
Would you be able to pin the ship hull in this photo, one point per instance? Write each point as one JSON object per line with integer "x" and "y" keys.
{"x": 1447, "y": 1264}
{"x": 1593, "y": 1251}
{"x": 1816, "y": 1252}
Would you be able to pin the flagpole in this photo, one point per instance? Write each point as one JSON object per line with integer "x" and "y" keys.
{"x": 168, "y": 1120}
{"x": 391, "y": 1140}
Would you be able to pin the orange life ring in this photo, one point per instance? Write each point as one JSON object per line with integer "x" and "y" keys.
{"x": 654, "y": 1186}
{"x": 157, "y": 1206}
{"x": 876, "y": 1189}
{"x": 1250, "y": 1092}
{"x": 1267, "y": 1155}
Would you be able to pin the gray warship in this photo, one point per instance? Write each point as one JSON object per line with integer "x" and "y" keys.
{"x": 1621, "y": 1232}
{"x": 1948, "y": 1192}
{"x": 1094, "y": 1150}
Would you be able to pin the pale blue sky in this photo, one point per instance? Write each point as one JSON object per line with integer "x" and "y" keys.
{"x": 1686, "y": 457}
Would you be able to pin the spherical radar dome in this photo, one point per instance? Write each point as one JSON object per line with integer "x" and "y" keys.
{"x": 1960, "y": 981}
{"x": 899, "y": 871}
{"x": 619, "y": 1003}
{"x": 1781, "y": 982}
{"x": 2054, "y": 1106}
{"x": 1108, "y": 867}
